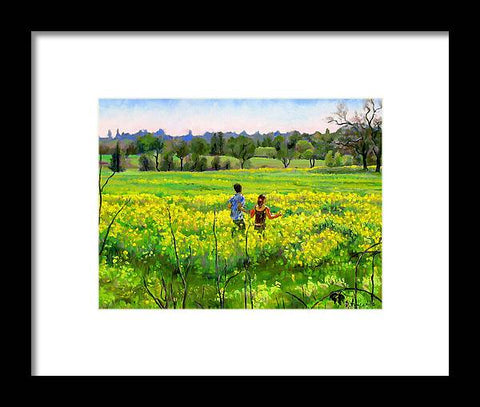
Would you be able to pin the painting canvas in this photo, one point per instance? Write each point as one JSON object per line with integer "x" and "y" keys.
{"x": 240, "y": 204}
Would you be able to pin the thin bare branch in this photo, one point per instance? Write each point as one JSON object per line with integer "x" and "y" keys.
{"x": 298, "y": 298}
{"x": 178, "y": 267}
{"x": 100, "y": 190}
{"x": 110, "y": 225}
{"x": 157, "y": 301}
{"x": 356, "y": 269}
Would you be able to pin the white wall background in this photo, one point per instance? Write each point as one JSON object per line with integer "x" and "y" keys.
{"x": 409, "y": 336}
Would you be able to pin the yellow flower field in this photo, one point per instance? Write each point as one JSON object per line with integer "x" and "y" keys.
{"x": 178, "y": 250}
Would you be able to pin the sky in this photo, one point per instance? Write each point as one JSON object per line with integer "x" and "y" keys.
{"x": 177, "y": 116}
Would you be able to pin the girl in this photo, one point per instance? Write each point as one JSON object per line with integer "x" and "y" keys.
{"x": 261, "y": 211}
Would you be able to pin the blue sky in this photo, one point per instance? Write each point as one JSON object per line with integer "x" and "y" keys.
{"x": 178, "y": 116}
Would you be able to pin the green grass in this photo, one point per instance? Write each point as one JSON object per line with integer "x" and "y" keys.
{"x": 262, "y": 181}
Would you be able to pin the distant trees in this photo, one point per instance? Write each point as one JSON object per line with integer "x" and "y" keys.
{"x": 267, "y": 141}
{"x": 357, "y": 143}
{"x": 167, "y": 163}
{"x": 307, "y": 151}
{"x": 216, "y": 163}
{"x": 200, "y": 164}
{"x": 217, "y": 144}
{"x": 302, "y": 146}
{"x": 182, "y": 149}
{"x": 285, "y": 155}
{"x": 157, "y": 147}
{"x": 117, "y": 160}
{"x": 103, "y": 149}
{"x": 277, "y": 142}
{"x": 323, "y": 143}
{"x": 337, "y": 159}
{"x": 145, "y": 163}
{"x": 242, "y": 148}
{"x": 198, "y": 147}
{"x": 294, "y": 138}
{"x": 131, "y": 149}
{"x": 312, "y": 156}
{"x": 353, "y": 135}
{"x": 358, "y": 138}
{"x": 329, "y": 161}
{"x": 308, "y": 155}
{"x": 150, "y": 143}
{"x": 285, "y": 150}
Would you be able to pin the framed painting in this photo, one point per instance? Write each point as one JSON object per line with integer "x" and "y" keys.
{"x": 240, "y": 203}
{"x": 253, "y": 195}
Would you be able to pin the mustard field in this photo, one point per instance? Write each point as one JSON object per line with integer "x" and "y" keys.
{"x": 166, "y": 240}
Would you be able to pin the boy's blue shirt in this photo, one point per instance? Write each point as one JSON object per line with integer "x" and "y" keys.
{"x": 235, "y": 212}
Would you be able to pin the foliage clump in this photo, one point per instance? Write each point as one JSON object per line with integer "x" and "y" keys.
{"x": 145, "y": 163}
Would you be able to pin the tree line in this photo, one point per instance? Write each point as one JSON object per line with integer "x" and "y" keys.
{"x": 358, "y": 140}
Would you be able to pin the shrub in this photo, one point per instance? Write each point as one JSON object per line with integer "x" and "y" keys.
{"x": 167, "y": 163}
{"x": 145, "y": 163}
{"x": 201, "y": 164}
{"x": 357, "y": 159}
{"x": 188, "y": 166}
{"x": 302, "y": 146}
{"x": 198, "y": 163}
{"x": 216, "y": 163}
{"x": 228, "y": 164}
{"x": 329, "y": 160}
{"x": 338, "y": 161}
{"x": 247, "y": 164}
{"x": 347, "y": 160}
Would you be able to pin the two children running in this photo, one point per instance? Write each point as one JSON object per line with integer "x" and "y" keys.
{"x": 236, "y": 204}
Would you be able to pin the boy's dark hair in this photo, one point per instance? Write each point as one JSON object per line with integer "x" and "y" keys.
{"x": 237, "y": 188}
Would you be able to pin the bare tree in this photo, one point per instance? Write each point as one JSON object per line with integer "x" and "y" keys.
{"x": 374, "y": 122}
{"x": 362, "y": 132}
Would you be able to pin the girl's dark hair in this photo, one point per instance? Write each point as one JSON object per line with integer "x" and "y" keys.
{"x": 261, "y": 199}
{"x": 237, "y": 188}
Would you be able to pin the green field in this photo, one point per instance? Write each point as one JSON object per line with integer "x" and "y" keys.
{"x": 172, "y": 244}
{"x": 164, "y": 184}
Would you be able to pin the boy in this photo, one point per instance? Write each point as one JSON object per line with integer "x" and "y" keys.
{"x": 236, "y": 205}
